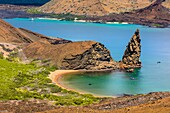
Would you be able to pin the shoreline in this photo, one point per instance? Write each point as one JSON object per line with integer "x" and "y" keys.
{"x": 32, "y": 18}
{"x": 81, "y": 21}
{"x": 17, "y": 11}
{"x": 56, "y": 75}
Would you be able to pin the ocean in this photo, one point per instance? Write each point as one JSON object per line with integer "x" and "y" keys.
{"x": 152, "y": 77}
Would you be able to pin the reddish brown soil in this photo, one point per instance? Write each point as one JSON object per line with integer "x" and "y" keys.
{"x": 149, "y": 103}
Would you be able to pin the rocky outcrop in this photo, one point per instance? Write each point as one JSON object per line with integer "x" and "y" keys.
{"x": 97, "y": 57}
{"x": 88, "y": 55}
{"x": 131, "y": 57}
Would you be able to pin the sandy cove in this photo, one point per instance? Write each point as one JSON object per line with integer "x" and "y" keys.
{"x": 56, "y": 75}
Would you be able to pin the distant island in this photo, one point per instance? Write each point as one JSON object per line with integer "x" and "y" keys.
{"x": 153, "y": 14}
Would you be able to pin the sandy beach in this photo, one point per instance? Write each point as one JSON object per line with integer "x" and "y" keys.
{"x": 56, "y": 75}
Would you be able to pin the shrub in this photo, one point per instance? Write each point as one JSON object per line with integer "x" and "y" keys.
{"x": 34, "y": 11}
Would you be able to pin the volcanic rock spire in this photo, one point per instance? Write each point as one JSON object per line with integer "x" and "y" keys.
{"x": 132, "y": 53}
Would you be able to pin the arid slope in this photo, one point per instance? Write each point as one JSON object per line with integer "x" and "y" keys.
{"x": 10, "y": 34}
{"x": 88, "y": 55}
{"x": 93, "y": 7}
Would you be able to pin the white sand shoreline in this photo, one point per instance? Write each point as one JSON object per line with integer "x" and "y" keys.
{"x": 82, "y": 21}
{"x": 56, "y": 75}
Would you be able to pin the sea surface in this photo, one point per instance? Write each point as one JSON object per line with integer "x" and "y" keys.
{"x": 151, "y": 77}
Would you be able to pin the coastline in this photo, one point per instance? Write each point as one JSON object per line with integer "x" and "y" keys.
{"x": 80, "y": 21}
{"x": 16, "y": 11}
{"x": 56, "y": 75}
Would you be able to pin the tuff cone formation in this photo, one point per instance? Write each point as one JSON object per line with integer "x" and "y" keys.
{"x": 87, "y": 55}
{"x": 131, "y": 57}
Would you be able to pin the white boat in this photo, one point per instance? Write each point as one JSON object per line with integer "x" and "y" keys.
{"x": 32, "y": 19}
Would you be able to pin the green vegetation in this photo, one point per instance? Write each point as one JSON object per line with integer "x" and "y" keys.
{"x": 24, "y": 81}
{"x": 1, "y": 55}
{"x": 157, "y": 25}
{"x": 34, "y": 11}
{"x": 67, "y": 16}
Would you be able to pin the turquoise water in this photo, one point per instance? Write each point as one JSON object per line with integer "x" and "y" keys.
{"x": 155, "y": 47}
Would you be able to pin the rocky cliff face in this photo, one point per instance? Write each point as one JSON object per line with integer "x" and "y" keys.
{"x": 131, "y": 57}
{"x": 97, "y": 57}
{"x": 87, "y": 55}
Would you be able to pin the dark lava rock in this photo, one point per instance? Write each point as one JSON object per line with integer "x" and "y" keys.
{"x": 132, "y": 53}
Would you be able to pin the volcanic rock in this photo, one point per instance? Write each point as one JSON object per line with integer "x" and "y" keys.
{"x": 87, "y": 55}
{"x": 131, "y": 57}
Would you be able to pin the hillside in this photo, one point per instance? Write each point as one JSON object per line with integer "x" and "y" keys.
{"x": 93, "y": 7}
{"x": 147, "y": 103}
{"x": 75, "y": 55}
{"x": 10, "y": 34}
{"x": 154, "y": 15}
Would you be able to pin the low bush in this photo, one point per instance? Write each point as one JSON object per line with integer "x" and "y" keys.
{"x": 21, "y": 81}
